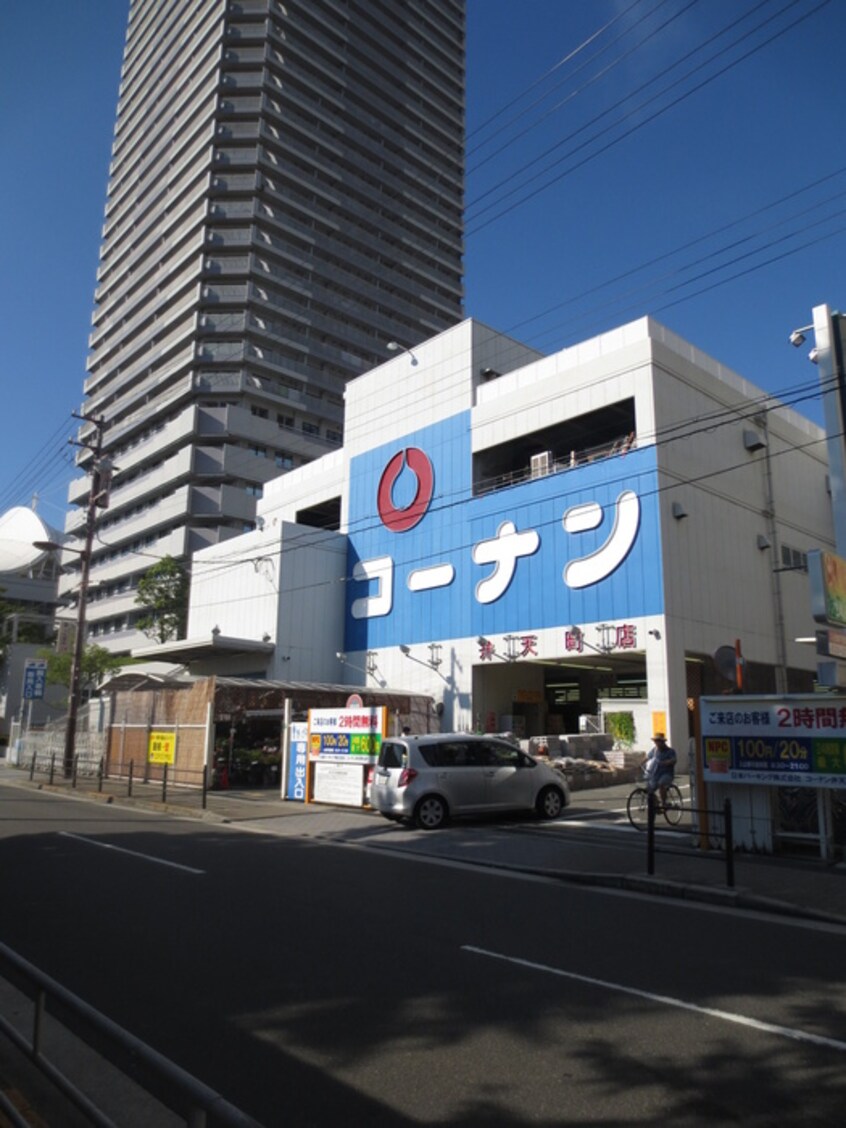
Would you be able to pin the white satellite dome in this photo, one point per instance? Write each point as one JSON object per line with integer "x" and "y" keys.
{"x": 19, "y": 527}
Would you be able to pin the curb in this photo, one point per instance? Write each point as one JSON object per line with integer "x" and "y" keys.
{"x": 736, "y": 898}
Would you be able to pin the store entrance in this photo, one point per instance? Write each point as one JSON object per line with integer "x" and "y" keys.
{"x": 550, "y": 698}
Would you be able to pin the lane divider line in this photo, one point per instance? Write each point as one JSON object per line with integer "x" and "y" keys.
{"x": 666, "y": 1000}
{"x": 132, "y": 853}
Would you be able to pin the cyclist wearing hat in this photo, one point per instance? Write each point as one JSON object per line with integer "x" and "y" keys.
{"x": 660, "y": 766}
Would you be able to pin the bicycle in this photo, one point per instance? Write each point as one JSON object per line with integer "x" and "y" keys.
{"x": 637, "y": 806}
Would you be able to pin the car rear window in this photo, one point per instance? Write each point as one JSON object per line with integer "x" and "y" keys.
{"x": 392, "y": 755}
{"x": 453, "y": 754}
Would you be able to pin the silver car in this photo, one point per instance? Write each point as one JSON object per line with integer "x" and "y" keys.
{"x": 429, "y": 778}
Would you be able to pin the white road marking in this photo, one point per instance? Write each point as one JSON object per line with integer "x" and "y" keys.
{"x": 132, "y": 853}
{"x": 666, "y": 1000}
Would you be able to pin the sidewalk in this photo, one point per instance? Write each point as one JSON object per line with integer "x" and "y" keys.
{"x": 575, "y": 849}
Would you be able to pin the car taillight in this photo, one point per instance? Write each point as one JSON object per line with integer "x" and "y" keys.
{"x": 406, "y": 776}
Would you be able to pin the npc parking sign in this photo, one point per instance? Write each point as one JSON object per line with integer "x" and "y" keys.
{"x": 35, "y": 678}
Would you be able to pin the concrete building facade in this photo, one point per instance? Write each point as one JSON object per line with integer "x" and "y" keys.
{"x": 284, "y": 202}
{"x": 532, "y": 541}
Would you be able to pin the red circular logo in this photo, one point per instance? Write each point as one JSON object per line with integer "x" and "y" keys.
{"x": 401, "y": 520}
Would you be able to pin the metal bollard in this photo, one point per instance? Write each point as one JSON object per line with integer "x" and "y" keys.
{"x": 52, "y": 767}
{"x": 129, "y": 782}
{"x": 100, "y": 775}
{"x": 73, "y": 770}
{"x": 164, "y": 784}
{"x": 729, "y": 836}
{"x": 650, "y": 833}
{"x": 32, "y": 768}
{"x": 205, "y": 786}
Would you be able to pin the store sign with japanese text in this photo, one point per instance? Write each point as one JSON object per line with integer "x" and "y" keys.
{"x": 161, "y": 748}
{"x": 434, "y": 556}
{"x": 343, "y": 736}
{"x": 35, "y": 679}
{"x": 298, "y": 762}
{"x": 795, "y": 741}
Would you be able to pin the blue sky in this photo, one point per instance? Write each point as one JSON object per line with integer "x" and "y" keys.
{"x": 681, "y": 158}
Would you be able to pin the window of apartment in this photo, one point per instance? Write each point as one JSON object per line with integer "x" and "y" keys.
{"x": 260, "y": 412}
{"x": 253, "y": 490}
{"x": 283, "y": 461}
{"x": 310, "y": 428}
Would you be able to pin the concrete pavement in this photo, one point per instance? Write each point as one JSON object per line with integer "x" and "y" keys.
{"x": 591, "y": 844}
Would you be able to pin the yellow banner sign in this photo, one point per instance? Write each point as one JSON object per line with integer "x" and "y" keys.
{"x": 161, "y": 748}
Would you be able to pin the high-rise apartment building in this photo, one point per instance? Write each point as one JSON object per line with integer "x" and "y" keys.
{"x": 284, "y": 202}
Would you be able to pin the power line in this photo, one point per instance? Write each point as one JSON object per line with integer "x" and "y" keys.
{"x": 466, "y": 546}
{"x": 625, "y": 116}
{"x": 595, "y": 78}
{"x": 538, "y": 81}
{"x": 681, "y": 430}
{"x": 664, "y": 256}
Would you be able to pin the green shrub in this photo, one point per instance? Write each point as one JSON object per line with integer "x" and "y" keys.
{"x": 621, "y": 726}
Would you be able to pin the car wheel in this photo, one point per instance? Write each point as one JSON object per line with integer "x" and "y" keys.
{"x": 430, "y": 813}
{"x": 550, "y": 803}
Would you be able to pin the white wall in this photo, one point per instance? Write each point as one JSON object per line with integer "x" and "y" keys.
{"x": 719, "y": 584}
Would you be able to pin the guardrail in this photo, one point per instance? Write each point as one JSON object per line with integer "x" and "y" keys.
{"x": 197, "y": 1105}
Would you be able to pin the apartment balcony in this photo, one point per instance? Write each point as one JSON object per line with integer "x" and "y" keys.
{"x": 108, "y": 606}
{"x": 157, "y": 405}
{"x": 128, "y": 381}
{"x": 112, "y": 321}
{"x": 136, "y": 356}
{"x": 241, "y": 382}
{"x": 129, "y": 188}
{"x": 146, "y": 486}
{"x": 156, "y": 515}
{"x": 130, "y": 563}
{"x": 239, "y": 422}
{"x": 231, "y": 461}
{"x": 174, "y": 272}
{"x": 150, "y": 447}
{"x": 222, "y": 503}
{"x": 77, "y": 495}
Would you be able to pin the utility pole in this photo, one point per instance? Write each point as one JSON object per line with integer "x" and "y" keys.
{"x": 775, "y": 561}
{"x": 98, "y": 497}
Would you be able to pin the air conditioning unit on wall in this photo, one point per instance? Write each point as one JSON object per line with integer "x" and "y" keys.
{"x": 541, "y": 464}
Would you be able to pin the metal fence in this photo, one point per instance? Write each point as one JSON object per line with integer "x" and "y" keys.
{"x": 49, "y": 740}
{"x": 154, "y": 783}
{"x": 56, "y": 1011}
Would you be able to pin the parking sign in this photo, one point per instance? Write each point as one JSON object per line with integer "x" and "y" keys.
{"x": 35, "y": 678}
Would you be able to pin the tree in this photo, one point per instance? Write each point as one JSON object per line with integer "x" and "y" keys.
{"x": 97, "y": 662}
{"x": 164, "y": 593}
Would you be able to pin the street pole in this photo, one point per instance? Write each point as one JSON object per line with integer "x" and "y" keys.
{"x": 94, "y": 499}
{"x": 79, "y": 641}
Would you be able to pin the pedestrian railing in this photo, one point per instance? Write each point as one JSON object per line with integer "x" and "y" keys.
{"x": 703, "y": 825}
{"x": 157, "y": 783}
{"x": 191, "y": 1100}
